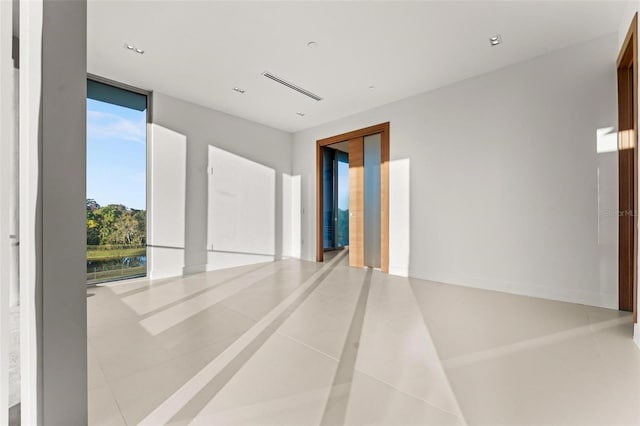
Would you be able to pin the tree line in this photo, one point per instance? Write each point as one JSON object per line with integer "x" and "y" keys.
{"x": 115, "y": 224}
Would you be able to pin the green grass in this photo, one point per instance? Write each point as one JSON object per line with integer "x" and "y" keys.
{"x": 94, "y": 253}
{"x": 110, "y": 265}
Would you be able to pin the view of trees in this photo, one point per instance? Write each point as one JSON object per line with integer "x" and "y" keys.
{"x": 115, "y": 224}
{"x": 343, "y": 227}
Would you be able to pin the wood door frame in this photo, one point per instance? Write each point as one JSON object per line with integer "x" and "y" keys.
{"x": 383, "y": 129}
{"x": 627, "y": 72}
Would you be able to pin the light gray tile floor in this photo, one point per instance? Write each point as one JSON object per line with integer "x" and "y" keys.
{"x": 14, "y": 366}
{"x": 301, "y": 343}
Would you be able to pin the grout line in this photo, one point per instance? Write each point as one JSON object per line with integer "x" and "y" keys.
{"x": 337, "y": 404}
{"x": 209, "y": 288}
{"x": 124, "y": 419}
{"x": 224, "y": 302}
{"x": 509, "y": 349}
{"x": 307, "y": 346}
{"x": 598, "y": 345}
{"x": 192, "y": 388}
{"x": 201, "y": 400}
{"x": 440, "y": 363}
{"x": 404, "y": 392}
{"x": 110, "y": 378}
{"x": 242, "y": 314}
{"x": 171, "y": 316}
{"x": 151, "y": 284}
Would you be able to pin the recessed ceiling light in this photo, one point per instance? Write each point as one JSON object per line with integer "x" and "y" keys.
{"x": 133, "y": 48}
{"x": 301, "y": 114}
{"x": 495, "y": 40}
{"x": 312, "y": 44}
{"x": 239, "y": 90}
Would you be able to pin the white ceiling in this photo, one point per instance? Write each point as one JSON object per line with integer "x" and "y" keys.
{"x": 199, "y": 51}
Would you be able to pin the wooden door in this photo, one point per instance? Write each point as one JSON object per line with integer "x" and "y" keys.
{"x": 356, "y": 191}
{"x": 627, "y": 65}
{"x": 356, "y": 202}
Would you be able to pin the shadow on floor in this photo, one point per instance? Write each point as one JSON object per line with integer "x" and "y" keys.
{"x": 14, "y": 415}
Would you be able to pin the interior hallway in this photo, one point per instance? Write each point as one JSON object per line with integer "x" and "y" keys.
{"x": 300, "y": 343}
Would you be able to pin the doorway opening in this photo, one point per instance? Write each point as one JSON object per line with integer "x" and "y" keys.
{"x": 367, "y": 156}
{"x": 116, "y": 208}
{"x": 335, "y": 200}
{"x": 627, "y": 65}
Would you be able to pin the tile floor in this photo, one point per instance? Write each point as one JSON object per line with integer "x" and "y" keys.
{"x": 300, "y": 343}
{"x": 14, "y": 366}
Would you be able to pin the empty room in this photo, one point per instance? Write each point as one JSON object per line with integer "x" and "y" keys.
{"x": 317, "y": 213}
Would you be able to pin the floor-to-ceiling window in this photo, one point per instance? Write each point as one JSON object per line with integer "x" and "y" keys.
{"x": 116, "y": 183}
{"x": 335, "y": 196}
{"x": 342, "y": 184}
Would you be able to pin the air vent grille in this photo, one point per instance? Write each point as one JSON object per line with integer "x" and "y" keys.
{"x": 292, "y": 86}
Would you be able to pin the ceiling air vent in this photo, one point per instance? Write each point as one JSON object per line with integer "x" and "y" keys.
{"x": 292, "y": 86}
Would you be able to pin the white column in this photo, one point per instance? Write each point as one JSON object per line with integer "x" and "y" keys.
{"x": 14, "y": 200}
{"x": 29, "y": 112}
{"x": 166, "y": 212}
{"x": 6, "y": 127}
{"x": 52, "y": 214}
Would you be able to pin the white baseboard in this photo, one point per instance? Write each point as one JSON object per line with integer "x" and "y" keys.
{"x": 401, "y": 271}
{"x": 584, "y": 297}
{"x": 165, "y": 273}
{"x": 221, "y": 260}
{"x": 194, "y": 269}
{"x": 165, "y": 262}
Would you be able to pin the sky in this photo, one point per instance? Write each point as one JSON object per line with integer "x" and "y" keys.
{"x": 343, "y": 185}
{"x": 116, "y": 154}
{"x": 116, "y": 157}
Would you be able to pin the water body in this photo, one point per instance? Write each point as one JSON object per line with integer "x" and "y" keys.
{"x": 111, "y": 264}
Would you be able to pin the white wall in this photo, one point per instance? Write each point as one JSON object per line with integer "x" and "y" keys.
{"x": 632, "y": 8}
{"x": 494, "y": 180}
{"x": 52, "y": 133}
{"x": 167, "y": 152}
{"x": 241, "y": 212}
{"x": 7, "y": 109}
{"x": 14, "y": 200}
{"x": 291, "y": 216}
{"x": 62, "y": 198}
{"x": 266, "y": 148}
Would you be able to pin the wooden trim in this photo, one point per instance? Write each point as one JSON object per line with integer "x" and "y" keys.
{"x": 384, "y": 130}
{"x": 631, "y": 37}
{"x": 371, "y": 130}
{"x": 356, "y": 202}
{"x": 384, "y": 201}
{"x": 627, "y": 71}
{"x": 319, "y": 202}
